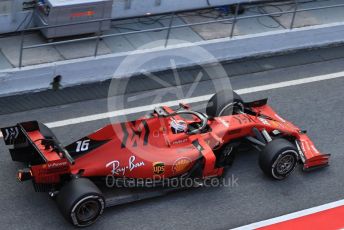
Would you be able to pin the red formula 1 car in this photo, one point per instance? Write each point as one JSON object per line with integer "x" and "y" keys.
{"x": 168, "y": 144}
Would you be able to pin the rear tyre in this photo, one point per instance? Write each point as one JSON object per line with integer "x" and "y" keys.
{"x": 278, "y": 159}
{"x": 81, "y": 202}
{"x": 224, "y": 103}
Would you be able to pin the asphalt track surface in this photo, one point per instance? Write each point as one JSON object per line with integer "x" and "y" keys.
{"x": 317, "y": 107}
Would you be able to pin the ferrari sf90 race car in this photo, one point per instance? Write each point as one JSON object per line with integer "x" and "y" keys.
{"x": 168, "y": 144}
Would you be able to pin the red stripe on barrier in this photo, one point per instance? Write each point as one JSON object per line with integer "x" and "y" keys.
{"x": 331, "y": 219}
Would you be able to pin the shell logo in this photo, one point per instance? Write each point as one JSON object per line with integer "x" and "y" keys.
{"x": 181, "y": 165}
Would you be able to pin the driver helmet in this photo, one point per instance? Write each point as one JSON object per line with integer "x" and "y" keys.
{"x": 178, "y": 126}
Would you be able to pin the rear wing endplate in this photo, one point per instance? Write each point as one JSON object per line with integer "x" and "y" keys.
{"x": 18, "y": 137}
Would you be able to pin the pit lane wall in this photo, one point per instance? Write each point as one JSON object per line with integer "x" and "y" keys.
{"x": 88, "y": 70}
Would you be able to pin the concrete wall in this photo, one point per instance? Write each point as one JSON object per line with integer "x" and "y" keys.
{"x": 86, "y": 70}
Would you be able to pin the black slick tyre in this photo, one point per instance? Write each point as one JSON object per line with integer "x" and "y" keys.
{"x": 224, "y": 103}
{"x": 278, "y": 159}
{"x": 81, "y": 202}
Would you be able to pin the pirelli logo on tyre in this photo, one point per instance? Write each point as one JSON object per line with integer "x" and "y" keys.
{"x": 181, "y": 165}
{"x": 158, "y": 168}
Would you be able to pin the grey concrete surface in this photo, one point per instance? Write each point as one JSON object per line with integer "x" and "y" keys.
{"x": 10, "y": 47}
{"x": 316, "y": 107}
{"x": 126, "y": 43}
{"x": 213, "y": 30}
{"x": 309, "y": 18}
{"x": 4, "y": 63}
{"x": 223, "y": 29}
{"x": 132, "y": 42}
{"x": 81, "y": 49}
{"x": 90, "y": 70}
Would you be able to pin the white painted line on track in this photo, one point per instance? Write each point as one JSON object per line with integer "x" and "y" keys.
{"x": 203, "y": 98}
{"x": 192, "y": 100}
{"x": 123, "y": 112}
{"x": 291, "y": 216}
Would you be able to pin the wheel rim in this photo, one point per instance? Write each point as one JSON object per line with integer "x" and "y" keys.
{"x": 285, "y": 164}
{"x": 88, "y": 210}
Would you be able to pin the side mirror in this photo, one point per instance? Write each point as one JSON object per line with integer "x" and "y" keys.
{"x": 184, "y": 106}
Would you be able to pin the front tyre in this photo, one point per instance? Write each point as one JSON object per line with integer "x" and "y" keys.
{"x": 278, "y": 159}
{"x": 81, "y": 202}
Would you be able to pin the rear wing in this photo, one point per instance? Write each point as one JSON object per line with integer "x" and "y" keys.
{"x": 27, "y": 150}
